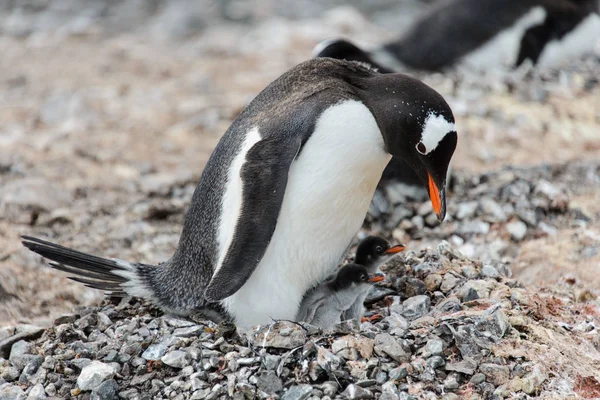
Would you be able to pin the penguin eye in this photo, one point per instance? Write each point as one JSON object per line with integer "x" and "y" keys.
{"x": 379, "y": 249}
{"x": 363, "y": 277}
{"x": 421, "y": 148}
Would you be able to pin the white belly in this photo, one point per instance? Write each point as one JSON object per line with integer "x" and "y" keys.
{"x": 583, "y": 39}
{"x": 330, "y": 186}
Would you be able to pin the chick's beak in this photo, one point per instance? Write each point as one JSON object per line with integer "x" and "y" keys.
{"x": 395, "y": 249}
{"x": 438, "y": 199}
{"x": 376, "y": 277}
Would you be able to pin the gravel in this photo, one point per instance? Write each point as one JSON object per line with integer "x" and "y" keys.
{"x": 427, "y": 345}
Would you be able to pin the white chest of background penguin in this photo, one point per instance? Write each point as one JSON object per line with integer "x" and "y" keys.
{"x": 284, "y": 192}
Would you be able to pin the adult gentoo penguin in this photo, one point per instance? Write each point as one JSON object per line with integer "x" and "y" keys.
{"x": 483, "y": 34}
{"x": 284, "y": 192}
{"x": 324, "y": 305}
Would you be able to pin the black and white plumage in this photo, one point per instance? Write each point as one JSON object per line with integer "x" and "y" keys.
{"x": 483, "y": 34}
{"x": 324, "y": 305}
{"x": 372, "y": 253}
{"x": 284, "y": 192}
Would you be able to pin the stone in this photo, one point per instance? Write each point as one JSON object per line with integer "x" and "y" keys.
{"x": 451, "y": 383}
{"x": 270, "y": 335}
{"x": 495, "y": 374}
{"x": 388, "y": 345}
{"x": 37, "y": 392}
{"x": 489, "y": 272}
{"x": 432, "y": 282}
{"x": 268, "y": 382}
{"x": 467, "y": 366}
{"x": 434, "y": 347}
{"x": 493, "y": 212}
{"x": 154, "y": 352}
{"x": 532, "y": 382}
{"x": 400, "y": 372}
{"x": 448, "y": 283}
{"x": 435, "y": 362}
{"x": 107, "y": 390}
{"x": 517, "y": 230}
{"x": 475, "y": 289}
{"x": 189, "y": 331}
{"x": 177, "y": 359}
{"x": 356, "y": 392}
{"x": 389, "y": 391}
{"x": 93, "y": 374}
{"x": 20, "y": 354}
{"x": 477, "y": 379}
{"x": 351, "y": 347}
{"x": 9, "y": 373}
{"x": 8, "y": 391}
{"x": 297, "y": 392}
{"x": 493, "y": 323}
{"x": 466, "y": 209}
{"x": 474, "y": 227}
{"x": 416, "y": 307}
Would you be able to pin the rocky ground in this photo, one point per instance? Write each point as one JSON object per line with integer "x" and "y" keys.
{"x": 107, "y": 118}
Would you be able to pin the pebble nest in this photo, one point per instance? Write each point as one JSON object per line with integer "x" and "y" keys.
{"x": 452, "y": 328}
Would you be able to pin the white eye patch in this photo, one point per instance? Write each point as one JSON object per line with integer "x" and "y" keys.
{"x": 435, "y": 128}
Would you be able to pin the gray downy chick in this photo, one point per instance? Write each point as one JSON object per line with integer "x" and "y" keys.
{"x": 323, "y": 305}
{"x": 372, "y": 252}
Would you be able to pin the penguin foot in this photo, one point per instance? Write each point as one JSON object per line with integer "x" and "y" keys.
{"x": 372, "y": 318}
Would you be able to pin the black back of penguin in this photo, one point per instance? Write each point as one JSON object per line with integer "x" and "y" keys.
{"x": 452, "y": 29}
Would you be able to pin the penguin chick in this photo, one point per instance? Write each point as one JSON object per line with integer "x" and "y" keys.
{"x": 284, "y": 193}
{"x": 323, "y": 305}
{"x": 372, "y": 252}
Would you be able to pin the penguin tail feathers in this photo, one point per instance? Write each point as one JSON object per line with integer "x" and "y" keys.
{"x": 115, "y": 277}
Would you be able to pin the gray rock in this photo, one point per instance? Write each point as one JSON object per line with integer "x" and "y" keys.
{"x": 356, "y": 392}
{"x": 495, "y": 374}
{"x": 8, "y": 391}
{"x": 477, "y": 379}
{"x": 517, "y": 230}
{"x": 107, "y": 390}
{"x": 433, "y": 282}
{"x": 492, "y": 211}
{"x": 474, "y": 227}
{"x": 297, "y": 392}
{"x": 37, "y": 392}
{"x": 467, "y": 366}
{"x": 399, "y": 372}
{"x": 489, "y": 272}
{"x": 451, "y": 383}
{"x": 416, "y": 307}
{"x": 177, "y": 359}
{"x": 466, "y": 209}
{"x": 493, "y": 323}
{"x": 434, "y": 347}
{"x": 448, "y": 283}
{"x": 190, "y": 331}
{"x": 270, "y": 335}
{"x": 9, "y": 373}
{"x": 389, "y": 391}
{"x": 20, "y": 355}
{"x": 269, "y": 383}
{"x": 93, "y": 374}
{"x": 154, "y": 352}
{"x": 475, "y": 289}
{"x": 435, "y": 362}
{"x": 387, "y": 344}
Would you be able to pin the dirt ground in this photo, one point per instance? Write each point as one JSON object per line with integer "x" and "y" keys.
{"x": 95, "y": 132}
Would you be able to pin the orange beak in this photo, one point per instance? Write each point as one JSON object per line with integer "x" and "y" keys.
{"x": 438, "y": 199}
{"x": 395, "y": 249}
{"x": 376, "y": 277}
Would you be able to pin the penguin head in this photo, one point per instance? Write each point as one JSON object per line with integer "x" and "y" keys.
{"x": 376, "y": 250}
{"x": 417, "y": 126}
{"x": 353, "y": 274}
{"x": 345, "y": 50}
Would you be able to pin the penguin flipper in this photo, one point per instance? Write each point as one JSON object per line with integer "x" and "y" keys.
{"x": 264, "y": 176}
